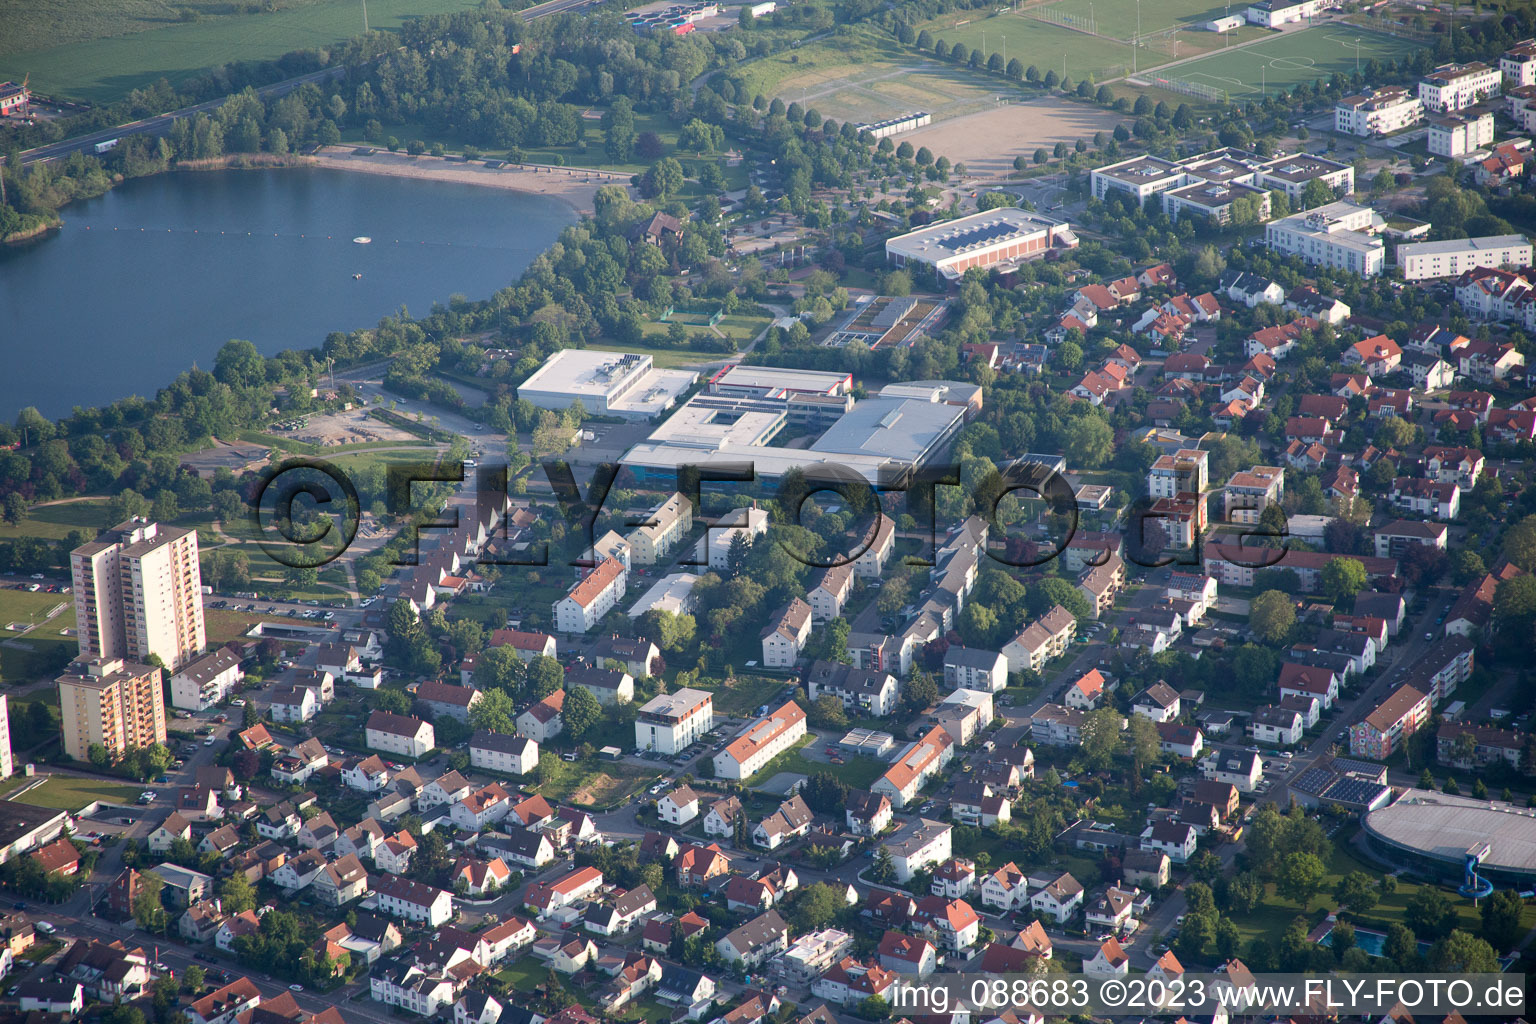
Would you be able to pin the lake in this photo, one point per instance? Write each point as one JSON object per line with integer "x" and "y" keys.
{"x": 153, "y": 277}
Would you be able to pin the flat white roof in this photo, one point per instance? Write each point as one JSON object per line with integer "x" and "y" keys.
{"x": 1445, "y": 827}
{"x": 623, "y": 382}
{"x": 668, "y": 594}
{"x": 891, "y": 428}
{"x": 1460, "y": 245}
{"x": 772, "y": 379}
{"x": 580, "y": 371}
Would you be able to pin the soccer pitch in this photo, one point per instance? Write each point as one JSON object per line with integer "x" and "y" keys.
{"x": 1118, "y": 18}
{"x": 1286, "y": 61}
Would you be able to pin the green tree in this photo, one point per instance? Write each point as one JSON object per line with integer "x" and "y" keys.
{"x": 192, "y": 977}
{"x": 236, "y": 895}
{"x": 580, "y": 713}
{"x": 545, "y": 676}
{"x": 1463, "y": 953}
{"x": 1342, "y": 579}
{"x": 663, "y": 179}
{"x": 1142, "y": 742}
{"x": 148, "y": 910}
{"x": 1342, "y": 939}
{"x": 1194, "y": 934}
{"x": 1316, "y": 193}
{"x": 827, "y": 712}
{"x": 1101, "y": 736}
{"x": 1271, "y": 616}
{"x": 15, "y": 508}
{"x": 496, "y": 711}
{"x": 1429, "y": 913}
{"x": 884, "y": 870}
{"x": 1401, "y": 946}
{"x": 816, "y": 906}
{"x": 1520, "y": 543}
{"x": 1356, "y": 892}
{"x": 1301, "y": 876}
{"x": 1501, "y": 919}
{"x": 921, "y": 691}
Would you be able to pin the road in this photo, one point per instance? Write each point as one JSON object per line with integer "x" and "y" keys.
{"x": 160, "y": 124}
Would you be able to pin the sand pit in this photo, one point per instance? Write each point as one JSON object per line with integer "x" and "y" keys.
{"x": 573, "y": 185}
{"x": 986, "y": 142}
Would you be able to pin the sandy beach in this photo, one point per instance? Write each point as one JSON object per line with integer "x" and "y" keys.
{"x": 574, "y": 186}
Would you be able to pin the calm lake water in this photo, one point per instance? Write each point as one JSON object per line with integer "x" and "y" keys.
{"x": 154, "y": 276}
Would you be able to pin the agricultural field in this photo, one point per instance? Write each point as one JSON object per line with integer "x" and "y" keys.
{"x": 99, "y": 50}
{"x": 1285, "y": 61}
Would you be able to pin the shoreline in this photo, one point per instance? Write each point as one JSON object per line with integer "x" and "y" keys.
{"x": 575, "y": 187}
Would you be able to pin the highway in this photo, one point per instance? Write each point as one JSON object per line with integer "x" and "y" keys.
{"x": 160, "y": 124}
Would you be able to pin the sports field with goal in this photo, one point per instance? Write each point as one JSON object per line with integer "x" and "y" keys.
{"x": 1286, "y": 61}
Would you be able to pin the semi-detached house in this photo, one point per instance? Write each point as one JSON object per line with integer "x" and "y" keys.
{"x": 541, "y": 722}
{"x": 544, "y": 898}
{"x": 413, "y": 901}
{"x": 404, "y": 735}
{"x": 785, "y": 638}
{"x": 753, "y": 943}
{"x": 496, "y": 752}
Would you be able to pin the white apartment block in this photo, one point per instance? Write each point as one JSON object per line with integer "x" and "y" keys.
{"x": 1518, "y": 65}
{"x": 590, "y": 599}
{"x": 1458, "y": 136}
{"x": 1184, "y": 472}
{"x": 1337, "y": 235}
{"x": 1142, "y": 177}
{"x": 1453, "y": 87}
{"x": 1422, "y": 261}
{"x": 1377, "y": 112}
{"x": 919, "y": 762}
{"x": 138, "y": 592}
{"x": 202, "y": 683}
{"x": 1292, "y": 174}
{"x": 670, "y": 722}
{"x": 765, "y": 739}
{"x": 1209, "y": 183}
{"x": 664, "y": 529}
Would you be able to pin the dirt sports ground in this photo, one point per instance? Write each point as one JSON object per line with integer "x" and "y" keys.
{"x": 987, "y": 141}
